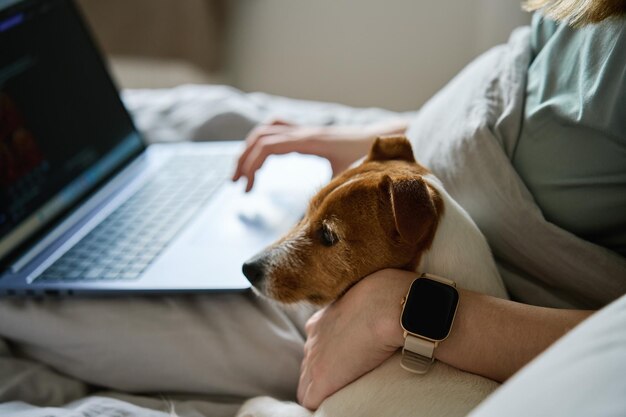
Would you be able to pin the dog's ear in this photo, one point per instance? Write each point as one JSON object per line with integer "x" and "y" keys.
{"x": 415, "y": 208}
{"x": 387, "y": 148}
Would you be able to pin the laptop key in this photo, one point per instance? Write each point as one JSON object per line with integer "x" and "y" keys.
{"x": 128, "y": 275}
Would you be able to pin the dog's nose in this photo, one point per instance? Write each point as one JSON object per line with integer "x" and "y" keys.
{"x": 254, "y": 270}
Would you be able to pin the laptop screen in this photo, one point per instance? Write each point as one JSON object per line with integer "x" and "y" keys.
{"x": 63, "y": 128}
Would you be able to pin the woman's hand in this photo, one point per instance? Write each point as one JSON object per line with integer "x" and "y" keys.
{"x": 353, "y": 335}
{"x": 341, "y": 145}
{"x": 491, "y": 337}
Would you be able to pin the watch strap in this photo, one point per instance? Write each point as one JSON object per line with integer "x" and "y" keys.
{"x": 438, "y": 278}
{"x": 417, "y": 354}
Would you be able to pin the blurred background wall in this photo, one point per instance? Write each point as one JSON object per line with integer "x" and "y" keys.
{"x": 393, "y": 54}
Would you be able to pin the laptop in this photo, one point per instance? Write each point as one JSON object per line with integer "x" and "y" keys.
{"x": 87, "y": 208}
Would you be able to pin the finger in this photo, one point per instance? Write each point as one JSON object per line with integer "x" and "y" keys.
{"x": 251, "y": 141}
{"x": 272, "y": 127}
{"x": 237, "y": 172}
{"x": 303, "y": 388}
{"x": 250, "y": 183}
{"x": 280, "y": 122}
{"x": 312, "y": 396}
{"x": 275, "y": 146}
{"x": 241, "y": 162}
{"x": 258, "y": 134}
{"x": 253, "y": 163}
{"x": 304, "y": 380}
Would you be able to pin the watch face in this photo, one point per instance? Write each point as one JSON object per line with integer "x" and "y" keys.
{"x": 429, "y": 309}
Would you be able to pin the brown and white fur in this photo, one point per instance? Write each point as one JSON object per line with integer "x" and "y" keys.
{"x": 388, "y": 212}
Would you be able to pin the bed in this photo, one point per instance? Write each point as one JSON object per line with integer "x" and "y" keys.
{"x": 580, "y": 375}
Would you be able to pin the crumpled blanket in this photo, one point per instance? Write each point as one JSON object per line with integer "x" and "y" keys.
{"x": 206, "y": 112}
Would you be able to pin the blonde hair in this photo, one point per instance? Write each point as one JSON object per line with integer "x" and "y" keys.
{"x": 577, "y": 12}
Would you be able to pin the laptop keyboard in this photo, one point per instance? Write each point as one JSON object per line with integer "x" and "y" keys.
{"x": 126, "y": 242}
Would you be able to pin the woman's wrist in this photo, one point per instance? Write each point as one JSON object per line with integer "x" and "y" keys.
{"x": 490, "y": 336}
{"x": 396, "y": 126}
{"x": 447, "y": 349}
{"x": 387, "y": 324}
{"x": 364, "y": 135}
{"x": 495, "y": 337}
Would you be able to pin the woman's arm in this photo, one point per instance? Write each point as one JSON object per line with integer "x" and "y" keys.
{"x": 490, "y": 336}
{"x": 341, "y": 145}
{"x": 495, "y": 338}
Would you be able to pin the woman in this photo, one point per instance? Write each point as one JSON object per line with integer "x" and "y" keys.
{"x": 569, "y": 151}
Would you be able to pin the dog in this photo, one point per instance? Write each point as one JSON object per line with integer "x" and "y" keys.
{"x": 387, "y": 212}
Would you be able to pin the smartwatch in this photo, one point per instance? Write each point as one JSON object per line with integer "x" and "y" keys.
{"x": 428, "y": 312}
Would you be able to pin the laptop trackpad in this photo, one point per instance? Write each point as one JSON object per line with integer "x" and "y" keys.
{"x": 280, "y": 196}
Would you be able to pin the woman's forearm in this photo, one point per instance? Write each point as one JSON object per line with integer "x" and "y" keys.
{"x": 495, "y": 338}
{"x": 396, "y": 126}
{"x": 363, "y": 136}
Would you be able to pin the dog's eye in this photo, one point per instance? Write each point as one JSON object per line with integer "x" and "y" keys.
{"x": 327, "y": 237}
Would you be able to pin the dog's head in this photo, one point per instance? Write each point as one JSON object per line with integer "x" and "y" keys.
{"x": 380, "y": 214}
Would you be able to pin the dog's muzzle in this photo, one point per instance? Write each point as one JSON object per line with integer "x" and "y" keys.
{"x": 254, "y": 270}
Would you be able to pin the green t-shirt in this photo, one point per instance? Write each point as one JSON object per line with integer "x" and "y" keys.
{"x": 572, "y": 148}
